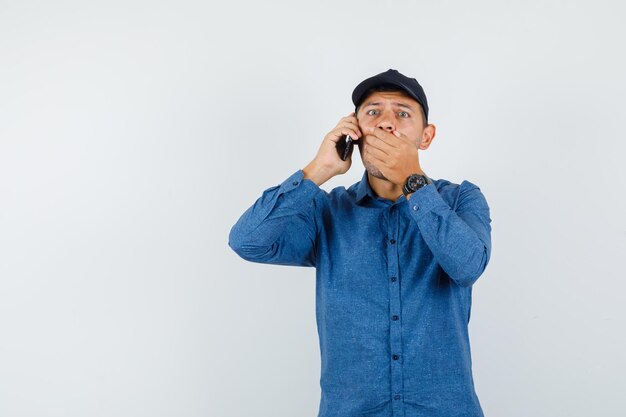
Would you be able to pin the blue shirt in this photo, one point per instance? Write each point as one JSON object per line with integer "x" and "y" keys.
{"x": 393, "y": 289}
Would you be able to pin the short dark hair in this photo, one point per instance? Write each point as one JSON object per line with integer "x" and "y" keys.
{"x": 389, "y": 88}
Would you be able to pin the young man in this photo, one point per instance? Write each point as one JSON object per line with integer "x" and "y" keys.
{"x": 396, "y": 255}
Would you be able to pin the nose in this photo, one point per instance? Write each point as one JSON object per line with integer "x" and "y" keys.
{"x": 386, "y": 121}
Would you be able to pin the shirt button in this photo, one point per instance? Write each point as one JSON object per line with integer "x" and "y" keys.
{"x": 395, "y": 357}
{"x": 295, "y": 183}
{"x": 395, "y": 318}
{"x": 392, "y": 241}
{"x": 415, "y": 208}
{"x": 394, "y": 279}
{"x": 397, "y": 397}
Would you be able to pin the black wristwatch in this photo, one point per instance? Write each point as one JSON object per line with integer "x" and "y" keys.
{"x": 414, "y": 182}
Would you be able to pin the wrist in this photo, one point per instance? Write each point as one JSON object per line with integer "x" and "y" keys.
{"x": 414, "y": 182}
{"x": 406, "y": 173}
{"x": 317, "y": 173}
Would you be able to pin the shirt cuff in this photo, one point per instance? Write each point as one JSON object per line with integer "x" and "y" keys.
{"x": 426, "y": 199}
{"x": 298, "y": 186}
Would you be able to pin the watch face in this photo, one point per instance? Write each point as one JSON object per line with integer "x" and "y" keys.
{"x": 416, "y": 181}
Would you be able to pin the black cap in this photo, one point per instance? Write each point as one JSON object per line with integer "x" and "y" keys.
{"x": 391, "y": 77}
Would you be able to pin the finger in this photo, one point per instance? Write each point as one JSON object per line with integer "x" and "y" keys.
{"x": 385, "y": 136}
{"x": 402, "y": 137}
{"x": 376, "y": 153}
{"x": 352, "y": 126}
{"x": 351, "y": 116}
{"x": 339, "y": 132}
{"x": 375, "y": 142}
{"x": 349, "y": 121}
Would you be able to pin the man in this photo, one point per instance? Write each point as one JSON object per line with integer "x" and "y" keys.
{"x": 396, "y": 255}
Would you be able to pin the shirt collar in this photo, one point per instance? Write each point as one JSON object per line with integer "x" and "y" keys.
{"x": 363, "y": 189}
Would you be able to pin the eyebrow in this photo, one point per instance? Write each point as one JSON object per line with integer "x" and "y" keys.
{"x": 395, "y": 103}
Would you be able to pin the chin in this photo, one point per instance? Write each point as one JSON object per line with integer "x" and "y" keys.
{"x": 374, "y": 172}
{"x": 370, "y": 168}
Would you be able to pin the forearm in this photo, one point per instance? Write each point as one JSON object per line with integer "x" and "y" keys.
{"x": 459, "y": 239}
{"x": 317, "y": 173}
{"x": 280, "y": 225}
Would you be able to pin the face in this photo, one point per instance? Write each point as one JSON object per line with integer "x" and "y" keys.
{"x": 391, "y": 111}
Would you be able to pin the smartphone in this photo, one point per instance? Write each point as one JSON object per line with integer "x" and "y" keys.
{"x": 344, "y": 147}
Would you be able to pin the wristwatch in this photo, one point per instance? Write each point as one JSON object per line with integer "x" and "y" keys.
{"x": 414, "y": 182}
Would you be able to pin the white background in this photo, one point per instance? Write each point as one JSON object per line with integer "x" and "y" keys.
{"x": 134, "y": 133}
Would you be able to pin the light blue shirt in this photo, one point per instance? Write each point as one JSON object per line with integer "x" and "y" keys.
{"x": 393, "y": 289}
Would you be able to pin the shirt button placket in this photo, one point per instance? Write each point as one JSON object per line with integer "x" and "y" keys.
{"x": 395, "y": 304}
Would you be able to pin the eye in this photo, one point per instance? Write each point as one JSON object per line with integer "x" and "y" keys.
{"x": 372, "y": 112}
{"x": 404, "y": 114}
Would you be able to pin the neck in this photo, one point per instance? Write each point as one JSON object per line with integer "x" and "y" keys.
{"x": 385, "y": 188}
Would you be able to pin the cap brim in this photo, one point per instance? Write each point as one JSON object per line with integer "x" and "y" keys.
{"x": 359, "y": 92}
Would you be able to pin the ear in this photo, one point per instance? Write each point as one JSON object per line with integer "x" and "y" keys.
{"x": 427, "y": 136}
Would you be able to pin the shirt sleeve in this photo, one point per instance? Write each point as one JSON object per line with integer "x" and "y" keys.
{"x": 459, "y": 238}
{"x": 280, "y": 227}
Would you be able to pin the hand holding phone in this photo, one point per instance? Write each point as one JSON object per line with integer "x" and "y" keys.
{"x": 326, "y": 165}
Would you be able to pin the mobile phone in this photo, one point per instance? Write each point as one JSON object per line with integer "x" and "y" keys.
{"x": 344, "y": 147}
